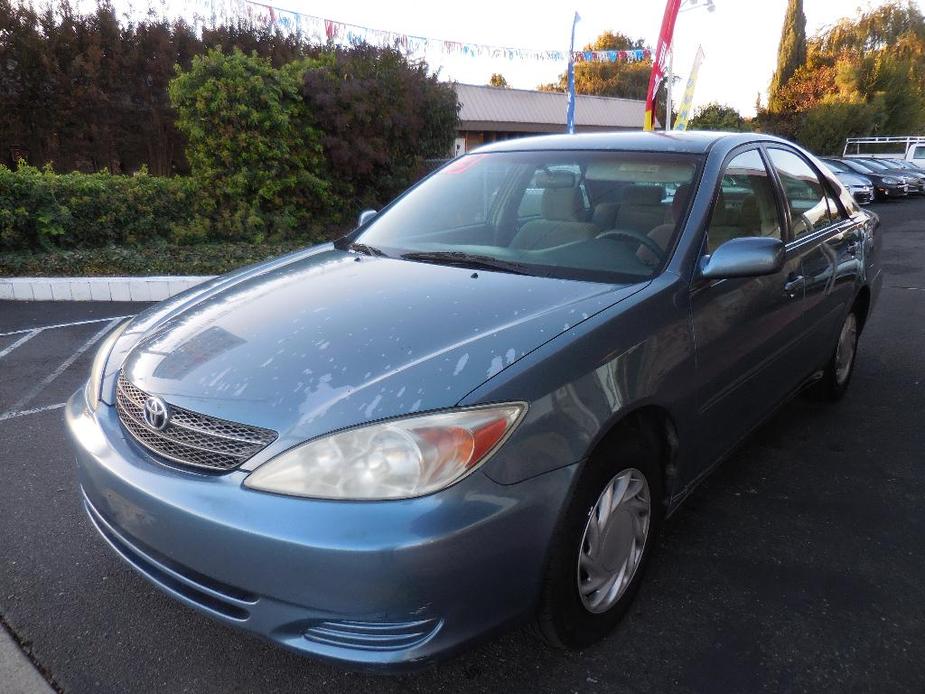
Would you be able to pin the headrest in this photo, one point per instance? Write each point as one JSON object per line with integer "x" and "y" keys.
{"x": 750, "y": 216}
{"x": 643, "y": 195}
{"x": 680, "y": 201}
{"x": 720, "y": 215}
{"x": 605, "y": 215}
{"x": 560, "y": 204}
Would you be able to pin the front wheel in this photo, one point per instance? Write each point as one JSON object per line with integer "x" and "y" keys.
{"x": 603, "y": 544}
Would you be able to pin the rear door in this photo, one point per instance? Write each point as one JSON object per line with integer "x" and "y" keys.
{"x": 827, "y": 242}
{"x": 745, "y": 329}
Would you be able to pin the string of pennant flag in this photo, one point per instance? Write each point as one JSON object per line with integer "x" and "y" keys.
{"x": 628, "y": 56}
{"x": 321, "y": 30}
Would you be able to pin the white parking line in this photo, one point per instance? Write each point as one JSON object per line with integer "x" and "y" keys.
{"x": 62, "y": 325}
{"x": 35, "y": 410}
{"x": 35, "y": 390}
{"x": 25, "y": 338}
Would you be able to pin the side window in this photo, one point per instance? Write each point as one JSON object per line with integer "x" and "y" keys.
{"x": 919, "y": 154}
{"x": 745, "y": 205}
{"x": 806, "y": 196}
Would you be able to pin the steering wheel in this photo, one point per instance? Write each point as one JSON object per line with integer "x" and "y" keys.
{"x": 639, "y": 238}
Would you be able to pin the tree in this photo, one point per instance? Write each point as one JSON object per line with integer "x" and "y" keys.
{"x": 862, "y": 76}
{"x": 621, "y": 79}
{"x": 715, "y": 116}
{"x": 806, "y": 88}
{"x": 497, "y": 80}
{"x": 791, "y": 53}
{"x": 381, "y": 116}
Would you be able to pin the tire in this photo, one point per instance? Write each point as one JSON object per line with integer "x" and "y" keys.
{"x": 565, "y": 618}
{"x": 840, "y": 368}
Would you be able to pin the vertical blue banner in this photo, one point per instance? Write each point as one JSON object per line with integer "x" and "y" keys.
{"x": 570, "y": 110}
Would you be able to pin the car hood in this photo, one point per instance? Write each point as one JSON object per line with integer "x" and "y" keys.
{"x": 900, "y": 173}
{"x": 329, "y": 339}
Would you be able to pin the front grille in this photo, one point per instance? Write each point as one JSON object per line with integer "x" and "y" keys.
{"x": 190, "y": 438}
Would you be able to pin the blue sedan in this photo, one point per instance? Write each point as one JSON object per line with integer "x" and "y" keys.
{"x": 478, "y": 408}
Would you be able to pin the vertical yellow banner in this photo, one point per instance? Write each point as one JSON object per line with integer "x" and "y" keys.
{"x": 684, "y": 112}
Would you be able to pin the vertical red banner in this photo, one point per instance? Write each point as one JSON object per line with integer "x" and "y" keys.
{"x": 660, "y": 59}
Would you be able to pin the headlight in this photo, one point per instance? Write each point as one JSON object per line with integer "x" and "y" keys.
{"x": 890, "y": 180}
{"x": 396, "y": 459}
{"x": 97, "y": 370}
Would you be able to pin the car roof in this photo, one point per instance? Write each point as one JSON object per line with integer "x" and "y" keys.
{"x": 690, "y": 142}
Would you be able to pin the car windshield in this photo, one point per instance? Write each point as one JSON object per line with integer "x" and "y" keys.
{"x": 595, "y": 215}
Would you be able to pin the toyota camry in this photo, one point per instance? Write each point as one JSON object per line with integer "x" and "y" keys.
{"x": 478, "y": 407}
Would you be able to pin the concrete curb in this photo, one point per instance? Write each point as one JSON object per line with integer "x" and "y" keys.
{"x": 17, "y": 674}
{"x": 94, "y": 288}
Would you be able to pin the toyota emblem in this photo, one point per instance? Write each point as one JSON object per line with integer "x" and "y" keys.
{"x": 155, "y": 413}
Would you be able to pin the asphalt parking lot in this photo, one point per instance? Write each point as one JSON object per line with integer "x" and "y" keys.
{"x": 798, "y": 566}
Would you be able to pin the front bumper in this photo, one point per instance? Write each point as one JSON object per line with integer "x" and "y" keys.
{"x": 892, "y": 191}
{"x": 863, "y": 196}
{"x": 387, "y": 584}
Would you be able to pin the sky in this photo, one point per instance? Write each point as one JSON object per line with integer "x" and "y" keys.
{"x": 739, "y": 38}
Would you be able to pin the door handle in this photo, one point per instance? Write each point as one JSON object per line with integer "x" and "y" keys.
{"x": 793, "y": 284}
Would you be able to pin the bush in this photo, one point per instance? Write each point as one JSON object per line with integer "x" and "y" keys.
{"x": 278, "y": 154}
{"x": 823, "y": 128}
{"x": 156, "y": 259}
{"x": 40, "y": 209}
{"x": 256, "y": 161}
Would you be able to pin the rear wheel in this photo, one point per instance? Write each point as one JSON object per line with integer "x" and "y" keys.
{"x": 838, "y": 372}
{"x": 603, "y": 543}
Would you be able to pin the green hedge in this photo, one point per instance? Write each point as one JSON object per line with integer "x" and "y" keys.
{"x": 40, "y": 209}
{"x": 158, "y": 259}
{"x": 278, "y": 153}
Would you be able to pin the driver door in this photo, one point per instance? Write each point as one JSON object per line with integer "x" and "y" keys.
{"x": 745, "y": 329}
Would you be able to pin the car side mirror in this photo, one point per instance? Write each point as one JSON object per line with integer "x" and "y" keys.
{"x": 365, "y": 216}
{"x": 748, "y": 256}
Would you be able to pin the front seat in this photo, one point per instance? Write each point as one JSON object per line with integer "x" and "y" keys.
{"x": 662, "y": 233}
{"x": 561, "y": 222}
{"x": 750, "y": 217}
{"x": 641, "y": 208}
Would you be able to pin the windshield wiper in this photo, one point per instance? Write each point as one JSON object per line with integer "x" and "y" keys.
{"x": 367, "y": 250}
{"x": 460, "y": 259}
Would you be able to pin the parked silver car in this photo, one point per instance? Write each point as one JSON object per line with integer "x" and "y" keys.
{"x": 860, "y": 187}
